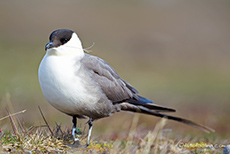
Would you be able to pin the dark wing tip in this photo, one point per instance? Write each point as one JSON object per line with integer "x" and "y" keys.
{"x": 147, "y": 103}
{"x": 158, "y": 108}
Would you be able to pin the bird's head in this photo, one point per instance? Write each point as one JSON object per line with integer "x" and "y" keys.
{"x": 63, "y": 42}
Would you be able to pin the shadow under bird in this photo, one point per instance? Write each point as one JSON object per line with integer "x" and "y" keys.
{"x": 82, "y": 85}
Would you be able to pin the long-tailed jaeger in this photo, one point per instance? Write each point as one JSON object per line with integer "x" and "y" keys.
{"x": 82, "y": 85}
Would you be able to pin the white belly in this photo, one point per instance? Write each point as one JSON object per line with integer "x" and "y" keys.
{"x": 63, "y": 86}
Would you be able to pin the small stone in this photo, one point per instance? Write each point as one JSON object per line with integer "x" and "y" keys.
{"x": 226, "y": 149}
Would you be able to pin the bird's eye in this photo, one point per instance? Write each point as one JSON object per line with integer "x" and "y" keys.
{"x": 64, "y": 40}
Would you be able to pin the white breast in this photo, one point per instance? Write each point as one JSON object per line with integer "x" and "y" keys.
{"x": 64, "y": 86}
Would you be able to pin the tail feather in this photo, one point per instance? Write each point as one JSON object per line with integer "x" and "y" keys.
{"x": 143, "y": 109}
{"x": 185, "y": 121}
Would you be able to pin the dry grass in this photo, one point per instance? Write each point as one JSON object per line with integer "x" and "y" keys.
{"x": 39, "y": 139}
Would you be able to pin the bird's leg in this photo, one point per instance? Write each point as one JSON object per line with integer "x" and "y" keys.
{"x": 74, "y": 128}
{"x": 90, "y": 123}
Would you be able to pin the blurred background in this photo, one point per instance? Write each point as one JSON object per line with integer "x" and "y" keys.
{"x": 173, "y": 52}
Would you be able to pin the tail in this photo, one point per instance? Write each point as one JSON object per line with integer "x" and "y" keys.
{"x": 145, "y": 106}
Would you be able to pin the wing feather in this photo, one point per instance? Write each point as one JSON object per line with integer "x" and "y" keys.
{"x": 116, "y": 89}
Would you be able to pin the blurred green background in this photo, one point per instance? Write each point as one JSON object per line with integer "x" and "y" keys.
{"x": 172, "y": 51}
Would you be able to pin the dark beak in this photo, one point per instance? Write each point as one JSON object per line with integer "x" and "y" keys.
{"x": 50, "y": 45}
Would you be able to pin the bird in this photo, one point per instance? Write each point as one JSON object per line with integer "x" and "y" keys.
{"x": 85, "y": 86}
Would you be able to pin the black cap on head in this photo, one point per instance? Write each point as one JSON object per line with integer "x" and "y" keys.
{"x": 59, "y": 37}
